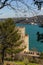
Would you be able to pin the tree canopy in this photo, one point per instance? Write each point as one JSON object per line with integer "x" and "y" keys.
{"x": 10, "y": 39}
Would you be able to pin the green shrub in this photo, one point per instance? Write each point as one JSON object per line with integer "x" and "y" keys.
{"x": 26, "y": 61}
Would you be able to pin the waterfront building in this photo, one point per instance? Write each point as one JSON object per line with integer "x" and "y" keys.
{"x": 25, "y": 38}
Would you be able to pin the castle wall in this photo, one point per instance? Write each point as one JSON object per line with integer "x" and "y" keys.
{"x": 26, "y": 42}
{"x": 25, "y": 38}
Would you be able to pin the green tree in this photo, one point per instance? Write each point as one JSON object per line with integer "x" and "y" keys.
{"x": 41, "y": 55}
{"x": 9, "y": 38}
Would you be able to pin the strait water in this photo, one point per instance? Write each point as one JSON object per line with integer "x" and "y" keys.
{"x": 32, "y": 30}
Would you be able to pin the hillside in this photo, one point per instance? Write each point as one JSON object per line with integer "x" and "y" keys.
{"x": 35, "y": 19}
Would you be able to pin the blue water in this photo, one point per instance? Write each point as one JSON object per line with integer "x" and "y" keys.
{"x": 31, "y": 30}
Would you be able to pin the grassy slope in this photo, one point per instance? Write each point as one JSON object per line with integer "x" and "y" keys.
{"x": 22, "y": 63}
{"x": 17, "y": 63}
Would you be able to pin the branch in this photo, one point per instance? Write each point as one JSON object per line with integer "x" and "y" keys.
{"x": 2, "y": 4}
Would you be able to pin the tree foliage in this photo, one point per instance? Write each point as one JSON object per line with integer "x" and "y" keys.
{"x": 38, "y": 3}
{"x": 9, "y": 38}
{"x": 41, "y": 55}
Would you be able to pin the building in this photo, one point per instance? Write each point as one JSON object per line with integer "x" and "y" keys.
{"x": 25, "y": 38}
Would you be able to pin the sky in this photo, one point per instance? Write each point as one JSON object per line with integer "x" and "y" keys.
{"x": 23, "y": 10}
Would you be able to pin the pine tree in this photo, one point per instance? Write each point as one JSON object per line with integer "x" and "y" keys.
{"x": 9, "y": 38}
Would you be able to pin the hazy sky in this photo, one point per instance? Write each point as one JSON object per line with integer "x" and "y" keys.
{"x": 24, "y": 11}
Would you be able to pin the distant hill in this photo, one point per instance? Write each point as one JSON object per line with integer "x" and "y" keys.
{"x": 35, "y": 19}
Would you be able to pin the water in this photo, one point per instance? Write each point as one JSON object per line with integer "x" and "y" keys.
{"x": 31, "y": 30}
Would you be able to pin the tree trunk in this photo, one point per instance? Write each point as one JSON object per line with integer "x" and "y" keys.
{"x": 3, "y": 52}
